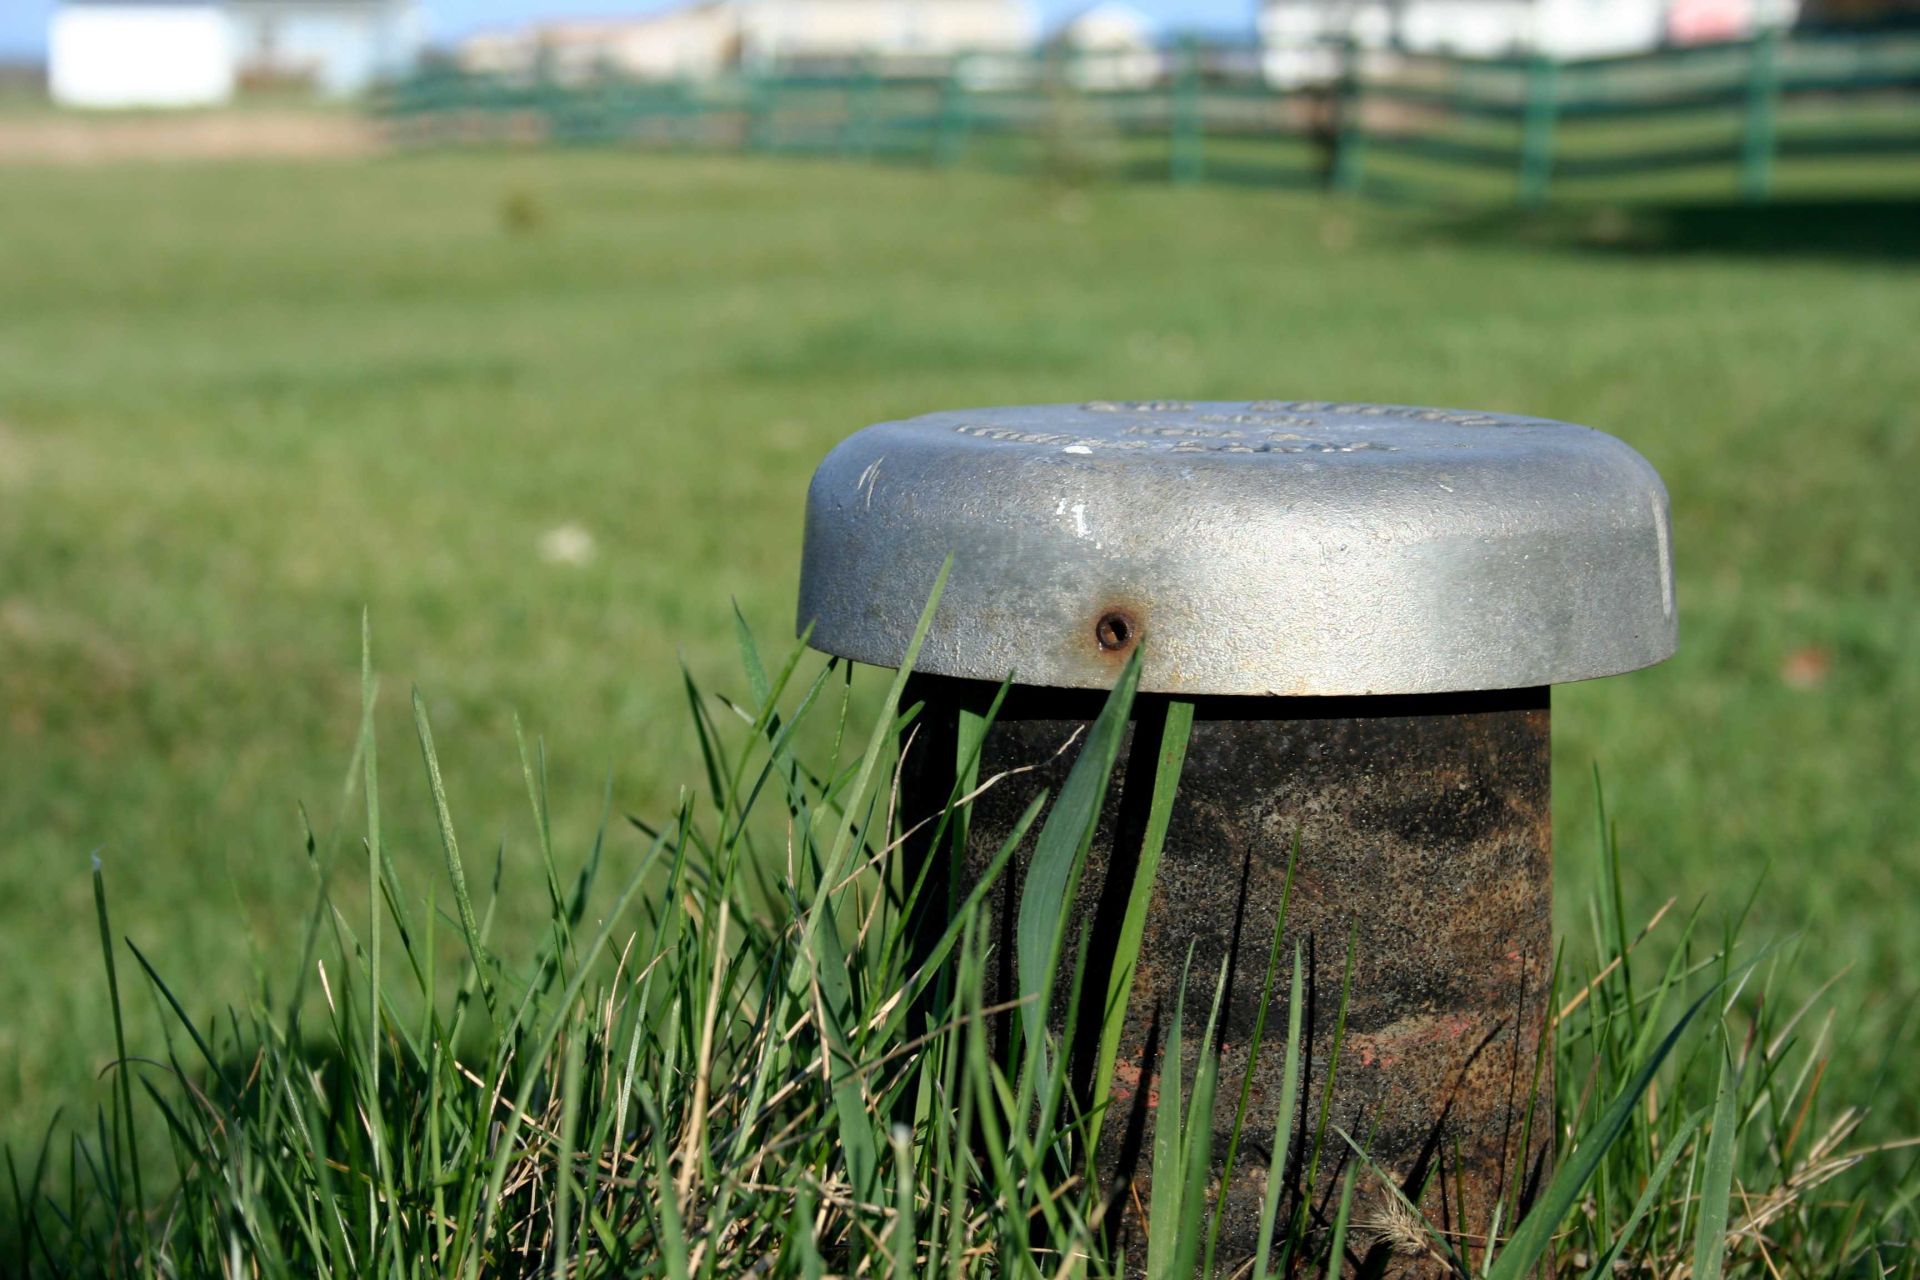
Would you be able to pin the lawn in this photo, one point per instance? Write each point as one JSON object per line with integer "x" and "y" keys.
{"x": 549, "y": 417}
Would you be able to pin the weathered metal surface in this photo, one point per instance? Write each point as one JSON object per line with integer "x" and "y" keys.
{"x": 1365, "y": 604}
{"x": 1273, "y": 547}
{"x": 1423, "y": 835}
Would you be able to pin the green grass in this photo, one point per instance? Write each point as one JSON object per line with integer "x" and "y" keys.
{"x": 238, "y": 404}
{"x": 736, "y": 1063}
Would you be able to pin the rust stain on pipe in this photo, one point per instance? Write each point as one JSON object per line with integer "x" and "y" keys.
{"x": 1424, "y": 836}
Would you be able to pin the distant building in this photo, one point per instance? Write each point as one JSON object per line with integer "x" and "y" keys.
{"x": 181, "y": 53}
{"x": 1301, "y": 37}
{"x": 1110, "y": 46}
{"x": 140, "y": 53}
{"x": 693, "y": 41}
{"x": 703, "y": 39}
{"x": 836, "y": 30}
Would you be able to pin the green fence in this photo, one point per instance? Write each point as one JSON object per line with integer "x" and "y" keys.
{"x": 1724, "y": 115}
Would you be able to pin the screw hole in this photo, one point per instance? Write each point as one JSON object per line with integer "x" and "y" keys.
{"x": 1113, "y": 631}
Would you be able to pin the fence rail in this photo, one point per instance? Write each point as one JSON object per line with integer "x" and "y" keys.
{"x": 1375, "y": 122}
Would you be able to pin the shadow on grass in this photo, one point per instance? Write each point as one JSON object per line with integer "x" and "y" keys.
{"x": 1879, "y": 229}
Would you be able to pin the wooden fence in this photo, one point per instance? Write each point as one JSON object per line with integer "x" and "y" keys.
{"x": 1478, "y": 127}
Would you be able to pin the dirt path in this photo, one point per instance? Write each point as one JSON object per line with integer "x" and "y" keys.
{"x": 214, "y": 135}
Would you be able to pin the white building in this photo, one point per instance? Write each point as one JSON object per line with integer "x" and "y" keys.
{"x": 831, "y": 30}
{"x": 1300, "y": 36}
{"x": 182, "y": 53}
{"x": 140, "y": 53}
{"x": 1111, "y": 46}
{"x": 694, "y": 41}
{"x": 705, "y": 38}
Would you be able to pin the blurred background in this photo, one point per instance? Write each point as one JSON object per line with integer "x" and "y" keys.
{"x": 521, "y": 325}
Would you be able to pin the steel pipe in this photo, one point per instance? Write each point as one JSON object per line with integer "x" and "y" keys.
{"x": 1364, "y": 606}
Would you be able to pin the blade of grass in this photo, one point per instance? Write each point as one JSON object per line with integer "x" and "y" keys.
{"x": 673, "y": 1238}
{"x": 467, "y": 1263}
{"x": 1163, "y": 1200}
{"x": 1198, "y": 1145}
{"x": 1320, "y": 1130}
{"x": 1282, "y": 1125}
{"x": 1716, "y": 1186}
{"x": 1253, "y": 1061}
{"x": 1677, "y": 1144}
{"x": 370, "y": 784}
{"x": 450, "y": 846}
{"x": 834, "y": 869}
{"x": 1533, "y": 1233}
{"x": 564, "y": 1187}
{"x": 903, "y": 1233}
{"x": 1166, "y": 780}
{"x": 1337, "y": 1246}
{"x": 1060, "y": 853}
{"x": 125, "y": 1129}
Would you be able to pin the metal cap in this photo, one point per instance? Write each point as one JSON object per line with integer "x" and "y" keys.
{"x": 1287, "y": 547}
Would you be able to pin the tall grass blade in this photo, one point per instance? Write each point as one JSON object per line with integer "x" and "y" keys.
{"x": 450, "y": 846}
{"x": 673, "y": 1236}
{"x": 1060, "y": 853}
{"x": 821, "y": 913}
{"x": 1282, "y": 1125}
{"x": 1254, "y": 1044}
{"x": 812, "y": 1265}
{"x": 1198, "y": 1140}
{"x": 376, "y": 853}
{"x": 1535, "y": 1231}
{"x": 1677, "y": 1145}
{"x": 1337, "y": 1246}
{"x": 1321, "y": 1129}
{"x": 125, "y": 1127}
{"x": 835, "y": 1014}
{"x": 1167, "y": 1170}
{"x": 538, "y": 1047}
{"x": 1716, "y": 1184}
{"x": 564, "y": 1181}
{"x": 904, "y": 1233}
{"x": 1126, "y": 954}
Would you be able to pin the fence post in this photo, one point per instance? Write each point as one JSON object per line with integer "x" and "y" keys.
{"x": 760, "y": 91}
{"x": 672, "y": 101}
{"x": 850, "y": 115}
{"x": 696, "y": 108}
{"x": 950, "y": 137}
{"x": 862, "y": 109}
{"x": 1763, "y": 94}
{"x": 690, "y": 107}
{"x": 1537, "y": 129}
{"x": 1188, "y": 158}
{"x": 1349, "y": 137}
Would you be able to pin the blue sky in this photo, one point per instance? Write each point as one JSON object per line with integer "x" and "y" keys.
{"x": 23, "y": 23}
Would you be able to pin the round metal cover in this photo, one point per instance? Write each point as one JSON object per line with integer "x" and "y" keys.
{"x": 1283, "y": 547}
